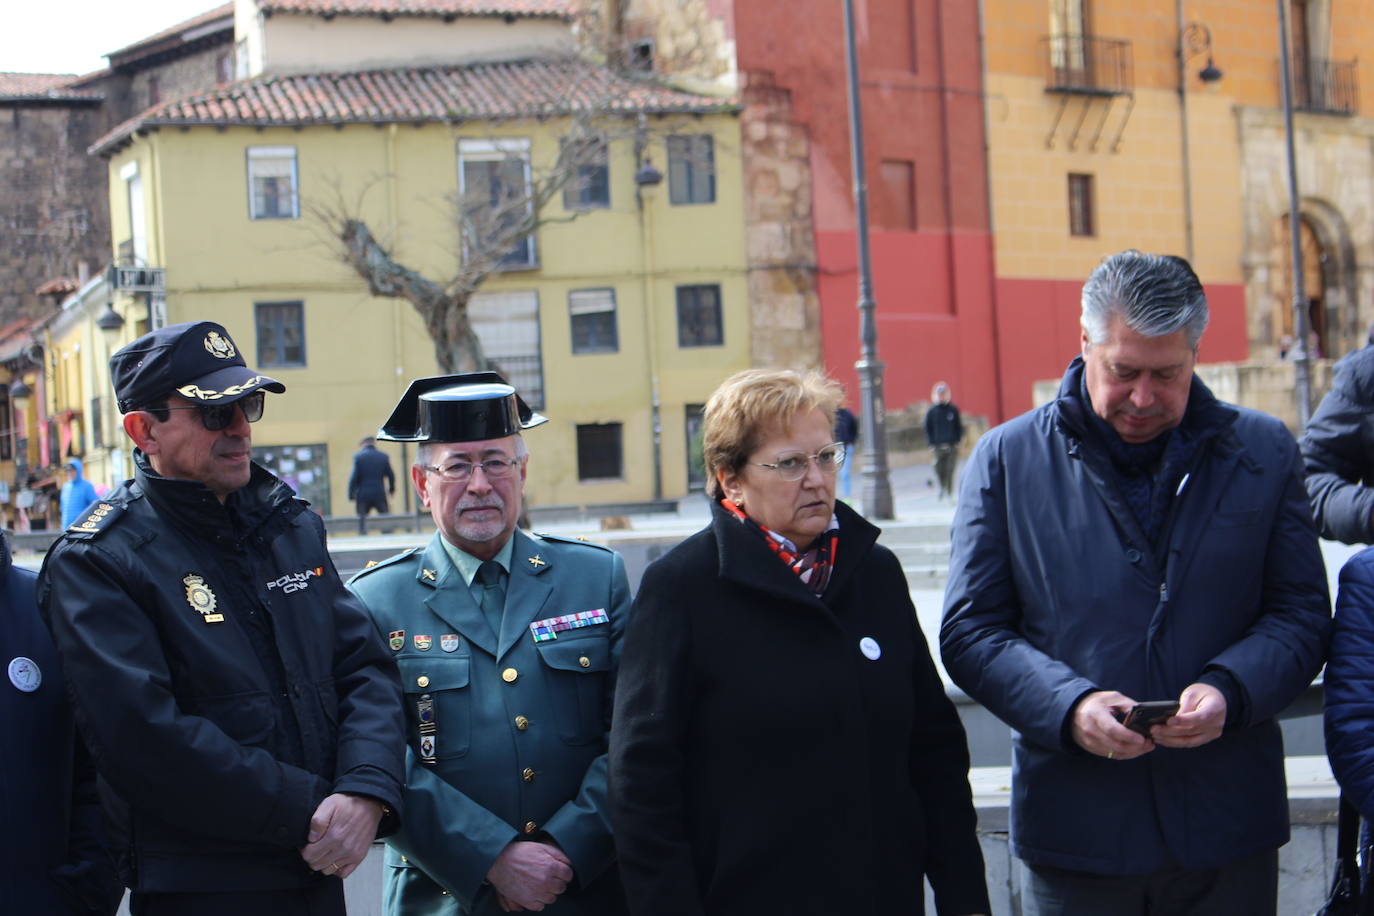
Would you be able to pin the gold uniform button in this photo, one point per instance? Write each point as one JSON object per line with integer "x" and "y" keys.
{"x": 422, "y": 681}
{"x": 522, "y": 723}
{"x": 509, "y": 675}
{"x": 527, "y": 774}
{"x": 585, "y": 662}
{"x": 404, "y": 860}
{"x": 530, "y": 827}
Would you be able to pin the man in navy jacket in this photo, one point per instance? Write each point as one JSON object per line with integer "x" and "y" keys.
{"x": 1134, "y": 540}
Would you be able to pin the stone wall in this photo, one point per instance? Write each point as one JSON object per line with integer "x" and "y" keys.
{"x": 53, "y": 211}
{"x": 785, "y": 308}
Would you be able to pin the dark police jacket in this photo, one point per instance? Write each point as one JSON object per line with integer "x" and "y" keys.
{"x": 1054, "y": 591}
{"x": 1338, "y": 452}
{"x": 224, "y": 680}
{"x": 51, "y": 860}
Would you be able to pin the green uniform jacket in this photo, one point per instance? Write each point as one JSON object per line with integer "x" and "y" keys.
{"x": 520, "y": 727}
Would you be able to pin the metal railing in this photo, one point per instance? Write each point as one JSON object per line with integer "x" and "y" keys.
{"x": 1087, "y": 65}
{"x": 1330, "y": 86}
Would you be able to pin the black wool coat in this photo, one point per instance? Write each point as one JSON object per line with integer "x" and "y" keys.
{"x": 761, "y": 762}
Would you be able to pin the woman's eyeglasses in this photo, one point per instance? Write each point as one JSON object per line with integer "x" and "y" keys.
{"x": 216, "y": 417}
{"x": 792, "y": 465}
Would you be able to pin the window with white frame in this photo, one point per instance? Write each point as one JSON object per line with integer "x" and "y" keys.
{"x": 272, "y": 183}
{"x": 134, "y": 250}
{"x": 592, "y": 312}
{"x": 494, "y": 187}
{"x": 507, "y": 324}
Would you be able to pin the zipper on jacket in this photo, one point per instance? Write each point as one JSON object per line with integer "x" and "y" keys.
{"x": 1163, "y": 592}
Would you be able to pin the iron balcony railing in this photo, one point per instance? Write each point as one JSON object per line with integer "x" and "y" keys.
{"x": 1087, "y": 65}
{"x": 1331, "y": 86}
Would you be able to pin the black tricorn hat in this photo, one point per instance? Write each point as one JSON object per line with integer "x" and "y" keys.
{"x": 468, "y": 407}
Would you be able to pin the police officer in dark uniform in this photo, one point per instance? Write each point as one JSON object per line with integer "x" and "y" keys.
{"x": 508, "y": 644}
{"x": 242, "y": 713}
{"x": 51, "y": 858}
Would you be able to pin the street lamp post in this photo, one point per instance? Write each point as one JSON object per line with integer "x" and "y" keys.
{"x": 1303, "y": 365}
{"x": 877, "y": 488}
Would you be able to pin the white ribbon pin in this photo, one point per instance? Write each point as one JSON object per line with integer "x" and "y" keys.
{"x": 24, "y": 674}
{"x": 870, "y": 648}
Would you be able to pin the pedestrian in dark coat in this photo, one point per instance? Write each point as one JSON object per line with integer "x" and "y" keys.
{"x": 371, "y": 481}
{"x": 52, "y": 861}
{"x": 781, "y": 741}
{"x": 944, "y": 430}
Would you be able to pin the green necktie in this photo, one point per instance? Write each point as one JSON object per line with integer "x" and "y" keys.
{"x": 493, "y": 601}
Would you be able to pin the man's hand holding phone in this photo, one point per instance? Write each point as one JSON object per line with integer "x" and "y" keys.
{"x": 1200, "y": 719}
{"x": 1098, "y": 730}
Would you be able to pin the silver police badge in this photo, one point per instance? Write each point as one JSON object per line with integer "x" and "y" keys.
{"x": 218, "y": 346}
{"x": 201, "y": 599}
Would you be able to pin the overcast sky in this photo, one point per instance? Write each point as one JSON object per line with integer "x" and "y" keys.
{"x": 73, "y": 36}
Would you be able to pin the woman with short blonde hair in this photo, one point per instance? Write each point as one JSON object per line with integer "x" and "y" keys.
{"x": 781, "y": 740}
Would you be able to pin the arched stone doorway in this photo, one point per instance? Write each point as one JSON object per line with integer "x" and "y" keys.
{"x": 1281, "y": 286}
{"x": 1329, "y": 280}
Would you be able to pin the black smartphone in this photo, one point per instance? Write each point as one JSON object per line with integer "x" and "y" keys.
{"x": 1143, "y": 715}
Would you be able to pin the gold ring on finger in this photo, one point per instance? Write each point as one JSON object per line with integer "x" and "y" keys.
{"x": 1111, "y": 755}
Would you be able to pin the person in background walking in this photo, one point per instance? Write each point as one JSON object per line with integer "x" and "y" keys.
{"x": 944, "y": 430}
{"x": 77, "y": 493}
{"x": 370, "y": 468}
{"x": 846, "y": 433}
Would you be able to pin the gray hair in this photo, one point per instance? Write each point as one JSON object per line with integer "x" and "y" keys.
{"x": 1155, "y": 294}
{"x": 425, "y": 449}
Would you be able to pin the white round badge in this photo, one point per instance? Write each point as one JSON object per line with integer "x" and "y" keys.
{"x": 24, "y": 674}
{"x": 870, "y": 648}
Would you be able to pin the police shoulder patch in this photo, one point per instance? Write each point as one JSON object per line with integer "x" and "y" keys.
{"x": 378, "y": 565}
{"x": 99, "y": 517}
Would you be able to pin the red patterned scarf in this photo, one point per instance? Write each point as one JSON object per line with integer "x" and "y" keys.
{"x": 813, "y": 567}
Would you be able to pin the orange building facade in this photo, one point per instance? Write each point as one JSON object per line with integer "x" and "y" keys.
{"x": 1156, "y": 124}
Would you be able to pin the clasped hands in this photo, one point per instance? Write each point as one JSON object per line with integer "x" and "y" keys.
{"x": 1201, "y": 717}
{"x": 529, "y": 875}
{"x": 341, "y": 832}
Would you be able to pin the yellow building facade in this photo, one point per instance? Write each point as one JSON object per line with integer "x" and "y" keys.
{"x": 185, "y": 196}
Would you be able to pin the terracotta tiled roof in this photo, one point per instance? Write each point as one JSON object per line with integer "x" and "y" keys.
{"x": 58, "y": 285}
{"x": 429, "y": 8}
{"x": 43, "y": 86}
{"x": 478, "y": 92}
{"x": 225, "y": 11}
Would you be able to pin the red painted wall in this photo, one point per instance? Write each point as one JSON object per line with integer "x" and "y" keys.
{"x": 920, "y": 75}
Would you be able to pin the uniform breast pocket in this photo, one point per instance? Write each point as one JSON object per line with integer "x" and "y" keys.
{"x": 440, "y": 687}
{"x": 576, "y": 668}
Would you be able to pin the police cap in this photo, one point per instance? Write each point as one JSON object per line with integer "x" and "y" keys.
{"x": 468, "y": 407}
{"x": 195, "y": 359}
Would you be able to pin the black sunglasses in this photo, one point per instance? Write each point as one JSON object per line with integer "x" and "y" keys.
{"x": 216, "y": 417}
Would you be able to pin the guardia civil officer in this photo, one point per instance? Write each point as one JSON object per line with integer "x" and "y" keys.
{"x": 244, "y": 717}
{"x": 508, "y": 644}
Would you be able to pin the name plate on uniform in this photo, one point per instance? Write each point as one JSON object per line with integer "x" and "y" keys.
{"x": 544, "y": 630}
